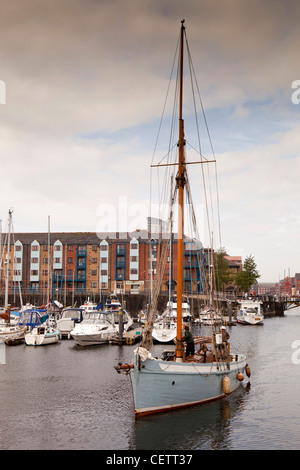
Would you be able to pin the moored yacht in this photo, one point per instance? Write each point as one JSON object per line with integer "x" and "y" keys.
{"x": 70, "y": 317}
{"x": 250, "y": 312}
{"x": 164, "y": 330}
{"x": 97, "y": 327}
{"x": 42, "y": 335}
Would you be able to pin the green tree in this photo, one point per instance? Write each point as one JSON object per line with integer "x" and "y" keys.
{"x": 222, "y": 272}
{"x": 248, "y": 275}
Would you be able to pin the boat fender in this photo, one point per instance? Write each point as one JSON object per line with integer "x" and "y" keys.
{"x": 126, "y": 366}
{"x": 248, "y": 370}
{"x": 226, "y": 385}
{"x": 240, "y": 376}
{"x": 123, "y": 368}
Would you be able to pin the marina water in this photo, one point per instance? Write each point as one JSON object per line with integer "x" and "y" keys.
{"x": 64, "y": 396}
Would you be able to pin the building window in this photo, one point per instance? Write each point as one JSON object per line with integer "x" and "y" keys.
{"x": 18, "y": 248}
{"x": 94, "y": 272}
{"x": 70, "y": 247}
{"x": 103, "y": 260}
{"x": 94, "y": 260}
{"x": 93, "y": 285}
{"x": 57, "y": 260}
{"x": 103, "y": 247}
{"x": 34, "y": 248}
{"x": 34, "y": 260}
{"x": 70, "y": 260}
{"x": 57, "y": 247}
{"x": 33, "y": 272}
{"x": 94, "y": 248}
{"x": 133, "y": 271}
{"x": 133, "y": 246}
{"x": 133, "y": 258}
{"x": 103, "y": 272}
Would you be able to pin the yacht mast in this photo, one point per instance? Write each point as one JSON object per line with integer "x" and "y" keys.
{"x": 180, "y": 184}
{"x": 7, "y": 259}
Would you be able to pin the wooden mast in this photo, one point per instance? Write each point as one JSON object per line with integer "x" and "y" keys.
{"x": 180, "y": 184}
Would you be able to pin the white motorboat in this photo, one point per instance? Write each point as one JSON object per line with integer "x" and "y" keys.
{"x": 114, "y": 305}
{"x": 210, "y": 317}
{"x": 70, "y": 317}
{"x": 89, "y": 306}
{"x": 112, "y": 302}
{"x": 42, "y": 335}
{"x": 97, "y": 327}
{"x": 250, "y": 313}
{"x": 186, "y": 310}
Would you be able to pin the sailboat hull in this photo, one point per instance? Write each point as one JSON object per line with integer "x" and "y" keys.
{"x": 160, "y": 385}
{"x": 11, "y": 334}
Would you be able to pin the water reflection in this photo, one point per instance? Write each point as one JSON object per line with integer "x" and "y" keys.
{"x": 200, "y": 427}
{"x": 67, "y": 397}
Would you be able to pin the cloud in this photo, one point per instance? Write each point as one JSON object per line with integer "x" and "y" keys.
{"x": 85, "y": 85}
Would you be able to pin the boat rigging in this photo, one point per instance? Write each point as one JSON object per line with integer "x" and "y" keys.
{"x": 176, "y": 381}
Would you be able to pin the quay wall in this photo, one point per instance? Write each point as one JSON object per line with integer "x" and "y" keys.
{"x": 135, "y": 303}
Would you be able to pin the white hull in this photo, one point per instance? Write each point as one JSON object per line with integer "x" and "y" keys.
{"x": 93, "y": 339}
{"x": 11, "y": 333}
{"x": 160, "y": 385}
{"x": 42, "y": 336}
{"x": 99, "y": 328}
{"x": 250, "y": 320}
{"x": 211, "y": 322}
{"x": 164, "y": 335}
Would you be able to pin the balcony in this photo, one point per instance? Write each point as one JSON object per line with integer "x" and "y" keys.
{"x": 81, "y": 252}
{"x": 81, "y": 264}
{"x": 120, "y": 263}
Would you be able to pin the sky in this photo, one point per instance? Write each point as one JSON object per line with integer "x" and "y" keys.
{"x": 82, "y": 88}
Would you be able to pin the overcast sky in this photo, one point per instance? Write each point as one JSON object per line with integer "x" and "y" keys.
{"x": 85, "y": 86}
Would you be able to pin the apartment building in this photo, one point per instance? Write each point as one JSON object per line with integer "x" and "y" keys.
{"x": 89, "y": 263}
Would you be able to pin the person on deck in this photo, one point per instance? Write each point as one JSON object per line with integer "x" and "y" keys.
{"x": 190, "y": 345}
{"x": 224, "y": 347}
{"x": 225, "y": 334}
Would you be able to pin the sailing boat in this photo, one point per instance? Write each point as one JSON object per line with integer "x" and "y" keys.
{"x": 9, "y": 333}
{"x": 44, "y": 333}
{"x": 164, "y": 328}
{"x": 176, "y": 381}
